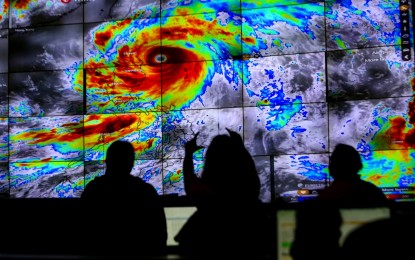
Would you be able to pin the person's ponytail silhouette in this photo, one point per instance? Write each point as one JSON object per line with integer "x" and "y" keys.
{"x": 348, "y": 189}
{"x": 230, "y": 220}
{"x": 125, "y": 214}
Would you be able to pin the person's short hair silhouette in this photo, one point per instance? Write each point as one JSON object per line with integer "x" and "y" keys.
{"x": 348, "y": 189}
{"x": 120, "y": 158}
{"x": 126, "y": 214}
{"x": 345, "y": 162}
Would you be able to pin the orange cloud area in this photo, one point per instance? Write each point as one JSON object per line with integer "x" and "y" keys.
{"x": 398, "y": 135}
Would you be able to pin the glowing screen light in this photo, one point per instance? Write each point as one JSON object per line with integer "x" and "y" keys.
{"x": 4, "y": 13}
{"x": 4, "y": 179}
{"x": 293, "y": 77}
{"x": 4, "y": 139}
{"x": 4, "y": 45}
{"x": 64, "y": 179}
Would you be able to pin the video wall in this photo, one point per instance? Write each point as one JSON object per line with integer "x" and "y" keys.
{"x": 294, "y": 78}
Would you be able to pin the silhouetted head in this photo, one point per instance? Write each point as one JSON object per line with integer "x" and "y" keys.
{"x": 120, "y": 158}
{"x": 229, "y": 168}
{"x": 220, "y": 149}
{"x": 345, "y": 162}
{"x": 219, "y": 156}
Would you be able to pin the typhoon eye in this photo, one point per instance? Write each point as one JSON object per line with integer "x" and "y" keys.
{"x": 160, "y": 58}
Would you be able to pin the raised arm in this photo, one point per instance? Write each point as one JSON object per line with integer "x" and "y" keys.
{"x": 192, "y": 184}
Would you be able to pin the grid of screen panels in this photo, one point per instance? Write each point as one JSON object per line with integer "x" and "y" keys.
{"x": 294, "y": 78}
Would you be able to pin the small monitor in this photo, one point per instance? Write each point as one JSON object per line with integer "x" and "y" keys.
{"x": 352, "y": 219}
{"x": 176, "y": 217}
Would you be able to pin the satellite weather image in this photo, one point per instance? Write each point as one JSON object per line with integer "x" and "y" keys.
{"x": 293, "y": 78}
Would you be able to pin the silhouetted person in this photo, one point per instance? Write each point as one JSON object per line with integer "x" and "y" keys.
{"x": 317, "y": 232}
{"x": 226, "y": 162}
{"x": 125, "y": 216}
{"x": 348, "y": 189}
{"x": 230, "y": 219}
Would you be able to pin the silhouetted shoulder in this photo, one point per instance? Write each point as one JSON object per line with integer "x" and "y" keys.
{"x": 372, "y": 189}
{"x": 92, "y": 186}
{"x": 127, "y": 217}
{"x": 126, "y": 187}
{"x": 354, "y": 193}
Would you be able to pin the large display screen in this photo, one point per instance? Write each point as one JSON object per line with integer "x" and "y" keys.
{"x": 294, "y": 78}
